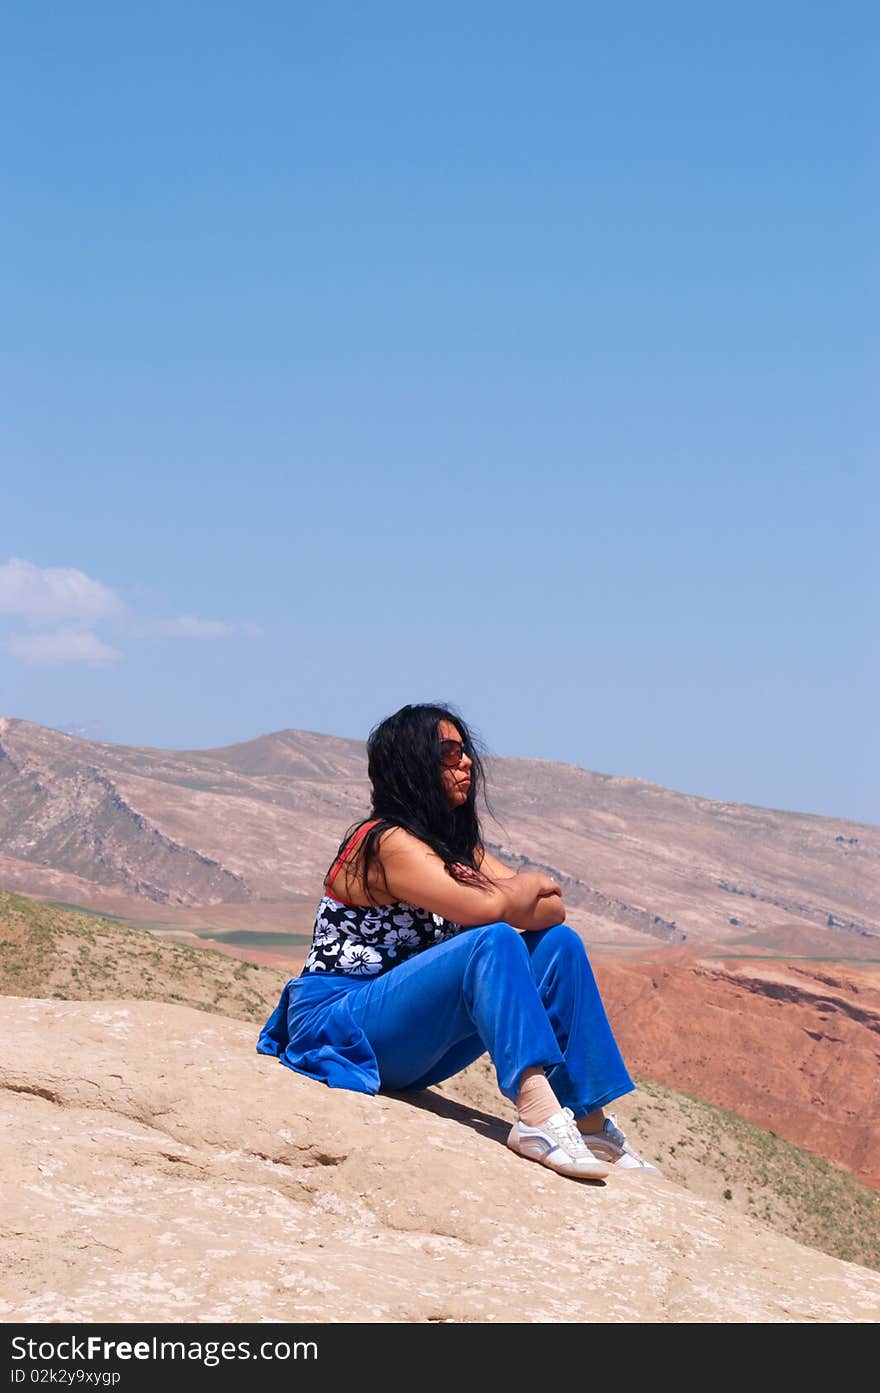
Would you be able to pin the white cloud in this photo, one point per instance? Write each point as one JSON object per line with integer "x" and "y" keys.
{"x": 49, "y": 593}
{"x": 62, "y": 646}
{"x": 189, "y": 626}
{"x": 62, "y": 607}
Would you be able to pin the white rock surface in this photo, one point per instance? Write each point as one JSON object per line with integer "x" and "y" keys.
{"x": 155, "y": 1168}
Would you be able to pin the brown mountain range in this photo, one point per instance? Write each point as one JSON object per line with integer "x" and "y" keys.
{"x": 259, "y": 822}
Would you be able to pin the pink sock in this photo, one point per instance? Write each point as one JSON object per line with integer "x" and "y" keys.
{"x": 536, "y": 1100}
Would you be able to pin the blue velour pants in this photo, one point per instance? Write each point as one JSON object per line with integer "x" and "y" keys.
{"x": 530, "y": 999}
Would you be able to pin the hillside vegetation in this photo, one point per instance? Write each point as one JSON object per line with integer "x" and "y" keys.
{"x": 53, "y": 952}
{"x": 48, "y": 951}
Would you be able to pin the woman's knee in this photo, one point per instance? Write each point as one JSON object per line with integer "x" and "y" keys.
{"x": 563, "y": 939}
{"x": 501, "y": 945}
{"x": 560, "y": 944}
{"x": 500, "y": 937}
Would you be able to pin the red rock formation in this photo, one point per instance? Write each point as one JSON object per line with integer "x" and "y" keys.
{"x": 791, "y": 1046}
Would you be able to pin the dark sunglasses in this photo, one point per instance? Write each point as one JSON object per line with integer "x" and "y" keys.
{"x": 452, "y": 752}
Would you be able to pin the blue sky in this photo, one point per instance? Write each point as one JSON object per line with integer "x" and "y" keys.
{"x": 517, "y": 357}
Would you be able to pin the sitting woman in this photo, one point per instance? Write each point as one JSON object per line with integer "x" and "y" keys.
{"x": 428, "y": 952}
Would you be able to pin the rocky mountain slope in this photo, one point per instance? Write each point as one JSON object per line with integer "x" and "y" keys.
{"x": 138, "y": 830}
{"x": 160, "y": 1170}
{"x": 793, "y": 1047}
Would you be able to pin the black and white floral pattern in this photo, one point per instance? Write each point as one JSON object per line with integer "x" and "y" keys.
{"x": 367, "y": 942}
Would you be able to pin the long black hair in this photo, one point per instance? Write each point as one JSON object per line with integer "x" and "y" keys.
{"x": 403, "y": 762}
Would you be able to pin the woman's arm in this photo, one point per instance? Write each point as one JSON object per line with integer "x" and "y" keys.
{"x": 528, "y": 900}
{"x": 549, "y": 909}
{"x": 492, "y": 867}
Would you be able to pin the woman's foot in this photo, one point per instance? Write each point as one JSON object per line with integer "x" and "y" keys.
{"x": 557, "y": 1144}
{"x": 610, "y": 1145}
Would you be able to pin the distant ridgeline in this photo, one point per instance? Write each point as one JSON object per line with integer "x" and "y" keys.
{"x": 582, "y": 896}
{"x": 258, "y": 823}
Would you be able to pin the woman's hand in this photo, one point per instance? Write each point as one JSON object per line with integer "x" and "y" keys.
{"x": 497, "y": 871}
{"x": 535, "y": 901}
{"x": 544, "y": 884}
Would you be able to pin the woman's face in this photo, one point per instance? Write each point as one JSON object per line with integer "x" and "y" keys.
{"x": 456, "y": 780}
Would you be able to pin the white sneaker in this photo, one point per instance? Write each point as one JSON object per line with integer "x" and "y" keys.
{"x": 557, "y": 1143}
{"x": 610, "y": 1145}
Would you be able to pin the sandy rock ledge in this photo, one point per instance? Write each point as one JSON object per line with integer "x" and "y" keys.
{"x": 157, "y": 1169}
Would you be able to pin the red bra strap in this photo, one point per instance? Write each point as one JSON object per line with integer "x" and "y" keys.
{"x": 349, "y": 846}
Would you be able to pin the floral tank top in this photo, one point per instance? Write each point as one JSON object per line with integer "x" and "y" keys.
{"x": 366, "y": 942}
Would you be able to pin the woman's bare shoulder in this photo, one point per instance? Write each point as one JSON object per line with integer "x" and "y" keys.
{"x": 396, "y": 843}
